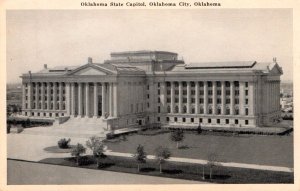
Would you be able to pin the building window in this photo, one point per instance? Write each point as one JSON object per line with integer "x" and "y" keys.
{"x": 201, "y": 110}
{"x": 148, "y": 104}
{"x": 183, "y": 119}
{"x": 219, "y": 111}
{"x": 50, "y": 114}
{"x": 175, "y": 119}
{"x": 210, "y": 110}
{"x": 158, "y": 91}
{"x": 44, "y": 114}
{"x": 227, "y": 92}
{"x": 227, "y": 121}
{"x": 158, "y": 100}
{"x": 148, "y": 96}
{"x": 176, "y": 100}
{"x": 236, "y": 121}
{"x": 237, "y": 92}
{"x": 193, "y": 92}
{"x": 236, "y": 101}
{"x": 176, "y": 92}
{"x": 201, "y": 100}
{"x": 227, "y": 101}
{"x": 209, "y": 84}
{"x": 168, "y": 100}
{"x": 192, "y": 84}
{"x": 158, "y": 84}
{"x": 246, "y": 84}
{"x": 237, "y": 111}
{"x": 219, "y": 101}
{"x": 210, "y": 92}
{"x": 200, "y": 120}
{"x": 218, "y": 84}
{"x": 246, "y": 111}
{"x": 147, "y": 87}
{"x": 246, "y": 101}
{"x": 227, "y": 111}
{"x": 246, "y": 122}
{"x": 193, "y": 110}
{"x": 208, "y": 120}
{"x": 210, "y": 100}
{"x": 137, "y": 108}
{"x": 169, "y": 109}
{"x": 201, "y": 92}
{"x": 184, "y": 109}
{"x": 168, "y": 92}
{"x": 184, "y": 92}
{"x": 32, "y": 113}
{"x": 218, "y": 121}
{"x": 236, "y": 84}
{"x": 184, "y": 100}
{"x": 192, "y": 120}
{"x": 167, "y": 119}
{"x": 158, "y": 109}
{"x": 158, "y": 119}
{"x": 246, "y": 92}
{"x": 219, "y": 92}
{"x": 38, "y": 114}
{"x": 176, "y": 109}
{"x": 193, "y": 100}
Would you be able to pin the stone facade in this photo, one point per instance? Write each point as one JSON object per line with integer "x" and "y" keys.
{"x": 155, "y": 88}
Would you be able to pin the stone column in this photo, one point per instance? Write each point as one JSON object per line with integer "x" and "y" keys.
{"x": 163, "y": 96}
{"x": 29, "y": 97}
{"x": 43, "y": 96}
{"x": 60, "y": 96}
{"x": 110, "y": 99}
{"x": 48, "y": 96}
{"x": 54, "y": 96}
{"x": 205, "y": 97}
{"x": 67, "y": 98}
{"x": 87, "y": 100}
{"x": 23, "y": 97}
{"x": 188, "y": 89}
{"x": 214, "y": 91}
{"x": 73, "y": 105}
{"x": 180, "y": 97}
{"x": 103, "y": 99}
{"x": 196, "y": 97}
{"x": 115, "y": 99}
{"x": 79, "y": 99}
{"x": 223, "y": 97}
{"x": 172, "y": 97}
{"x": 232, "y": 92}
{"x": 37, "y": 96}
{"x": 242, "y": 98}
{"x": 250, "y": 98}
{"x": 95, "y": 100}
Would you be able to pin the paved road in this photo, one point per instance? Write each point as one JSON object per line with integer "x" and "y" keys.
{"x": 22, "y": 173}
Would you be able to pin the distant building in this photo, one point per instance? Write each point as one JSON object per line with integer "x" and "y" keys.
{"x": 155, "y": 88}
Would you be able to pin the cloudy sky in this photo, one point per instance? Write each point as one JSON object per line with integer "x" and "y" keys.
{"x": 68, "y": 37}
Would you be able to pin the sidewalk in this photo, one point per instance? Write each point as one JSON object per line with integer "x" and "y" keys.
{"x": 31, "y": 148}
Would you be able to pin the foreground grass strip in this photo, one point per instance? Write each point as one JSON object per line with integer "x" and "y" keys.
{"x": 179, "y": 170}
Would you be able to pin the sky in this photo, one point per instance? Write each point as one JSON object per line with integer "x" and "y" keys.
{"x": 69, "y": 37}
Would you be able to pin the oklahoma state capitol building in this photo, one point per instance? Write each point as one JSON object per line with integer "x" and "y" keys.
{"x": 155, "y": 88}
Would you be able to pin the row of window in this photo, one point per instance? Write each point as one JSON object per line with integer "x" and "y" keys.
{"x": 44, "y": 114}
{"x": 45, "y": 91}
{"x": 45, "y": 98}
{"x": 201, "y": 100}
{"x": 201, "y": 92}
{"x": 201, "y": 84}
{"x": 46, "y": 106}
{"x": 45, "y": 84}
{"x": 201, "y": 110}
{"x": 209, "y": 121}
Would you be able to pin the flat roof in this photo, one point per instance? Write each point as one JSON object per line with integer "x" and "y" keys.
{"x": 208, "y": 65}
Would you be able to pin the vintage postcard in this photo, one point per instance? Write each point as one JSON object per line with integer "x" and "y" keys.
{"x": 121, "y": 95}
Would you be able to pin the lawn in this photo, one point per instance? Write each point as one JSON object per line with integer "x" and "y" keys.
{"x": 252, "y": 149}
{"x": 179, "y": 170}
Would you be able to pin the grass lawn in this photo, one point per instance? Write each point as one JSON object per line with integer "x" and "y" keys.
{"x": 180, "y": 170}
{"x": 252, "y": 149}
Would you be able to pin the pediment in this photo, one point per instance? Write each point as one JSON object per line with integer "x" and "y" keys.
{"x": 89, "y": 71}
{"x": 276, "y": 70}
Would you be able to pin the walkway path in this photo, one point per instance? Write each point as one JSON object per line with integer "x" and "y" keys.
{"x": 31, "y": 148}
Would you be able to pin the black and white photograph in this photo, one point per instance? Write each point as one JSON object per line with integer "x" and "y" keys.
{"x": 149, "y": 96}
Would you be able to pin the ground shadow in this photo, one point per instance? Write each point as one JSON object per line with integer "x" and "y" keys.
{"x": 147, "y": 169}
{"x": 172, "y": 171}
{"x": 105, "y": 165}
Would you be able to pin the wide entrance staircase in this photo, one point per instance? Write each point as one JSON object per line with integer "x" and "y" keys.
{"x": 74, "y": 127}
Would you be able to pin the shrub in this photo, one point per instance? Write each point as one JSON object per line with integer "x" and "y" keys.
{"x": 161, "y": 154}
{"x": 97, "y": 147}
{"x": 110, "y": 136}
{"x": 140, "y": 156}
{"x": 77, "y": 151}
{"x": 177, "y": 136}
{"x": 64, "y": 143}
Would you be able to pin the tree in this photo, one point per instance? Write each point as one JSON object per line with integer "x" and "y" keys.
{"x": 177, "y": 136}
{"x": 140, "y": 156}
{"x": 161, "y": 154}
{"x": 77, "y": 151}
{"x": 212, "y": 162}
{"x": 96, "y": 145}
